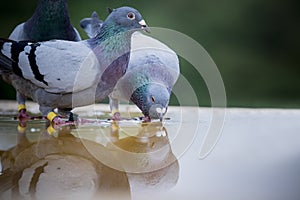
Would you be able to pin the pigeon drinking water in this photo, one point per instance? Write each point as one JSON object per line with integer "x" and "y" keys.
{"x": 65, "y": 74}
{"x": 50, "y": 20}
{"x": 152, "y": 72}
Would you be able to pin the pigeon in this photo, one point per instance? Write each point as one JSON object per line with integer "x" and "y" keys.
{"x": 49, "y": 21}
{"x": 66, "y": 74}
{"x": 152, "y": 72}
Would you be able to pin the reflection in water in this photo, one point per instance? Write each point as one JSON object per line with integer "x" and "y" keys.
{"x": 147, "y": 158}
{"x": 69, "y": 167}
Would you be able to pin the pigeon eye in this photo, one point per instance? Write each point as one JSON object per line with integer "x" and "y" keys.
{"x": 152, "y": 99}
{"x": 131, "y": 16}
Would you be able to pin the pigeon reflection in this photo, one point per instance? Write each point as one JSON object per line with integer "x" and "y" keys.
{"x": 62, "y": 167}
{"x": 58, "y": 168}
{"x": 147, "y": 158}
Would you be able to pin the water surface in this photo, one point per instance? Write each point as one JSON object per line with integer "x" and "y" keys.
{"x": 256, "y": 157}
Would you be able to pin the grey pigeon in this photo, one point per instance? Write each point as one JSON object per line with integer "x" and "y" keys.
{"x": 152, "y": 72}
{"x": 50, "y": 20}
{"x": 66, "y": 74}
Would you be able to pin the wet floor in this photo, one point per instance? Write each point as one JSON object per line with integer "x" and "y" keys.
{"x": 92, "y": 159}
{"x": 104, "y": 161}
{"x": 258, "y": 153}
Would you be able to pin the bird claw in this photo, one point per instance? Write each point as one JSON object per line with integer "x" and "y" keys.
{"x": 117, "y": 116}
{"x": 60, "y": 121}
{"x": 23, "y": 115}
{"x": 57, "y": 120}
{"x": 146, "y": 119}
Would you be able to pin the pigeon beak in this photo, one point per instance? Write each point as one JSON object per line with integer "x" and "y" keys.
{"x": 161, "y": 117}
{"x": 144, "y": 26}
{"x": 161, "y": 112}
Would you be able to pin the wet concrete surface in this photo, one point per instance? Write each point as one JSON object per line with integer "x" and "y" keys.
{"x": 255, "y": 156}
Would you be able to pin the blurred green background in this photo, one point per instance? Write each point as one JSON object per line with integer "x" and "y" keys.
{"x": 254, "y": 43}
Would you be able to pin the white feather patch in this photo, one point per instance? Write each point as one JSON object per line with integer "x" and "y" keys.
{"x": 63, "y": 63}
{"x": 6, "y": 49}
{"x": 25, "y": 65}
{"x": 18, "y": 33}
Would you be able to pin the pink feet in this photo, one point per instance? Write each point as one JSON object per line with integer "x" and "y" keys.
{"x": 60, "y": 121}
{"x": 22, "y": 114}
{"x": 57, "y": 120}
{"x": 146, "y": 119}
{"x": 117, "y": 116}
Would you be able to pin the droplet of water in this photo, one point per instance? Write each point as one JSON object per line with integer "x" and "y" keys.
{"x": 35, "y": 130}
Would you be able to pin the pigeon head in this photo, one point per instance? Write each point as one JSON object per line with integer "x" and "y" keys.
{"x": 152, "y": 99}
{"x": 126, "y": 18}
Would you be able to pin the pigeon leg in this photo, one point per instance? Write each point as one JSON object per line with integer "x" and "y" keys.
{"x": 57, "y": 120}
{"x": 23, "y": 117}
{"x": 114, "y": 133}
{"x": 117, "y": 116}
{"x": 51, "y": 115}
{"x": 146, "y": 119}
{"x": 67, "y": 112}
{"x": 22, "y": 125}
{"x": 114, "y": 108}
{"x": 21, "y": 107}
{"x": 22, "y": 112}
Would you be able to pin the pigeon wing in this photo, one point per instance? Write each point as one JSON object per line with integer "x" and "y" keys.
{"x": 57, "y": 66}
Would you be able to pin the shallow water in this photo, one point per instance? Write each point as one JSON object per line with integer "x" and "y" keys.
{"x": 86, "y": 161}
{"x": 258, "y": 154}
{"x": 126, "y": 159}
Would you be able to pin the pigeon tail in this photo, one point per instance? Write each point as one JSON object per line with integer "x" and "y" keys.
{"x": 5, "y": 62}
{"x": 91, "y": 25}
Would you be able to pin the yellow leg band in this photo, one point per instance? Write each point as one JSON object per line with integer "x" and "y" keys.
{"x": 51, "y": 130}
{"x": 21, "y": 129}
{"x": 115, "y": 126}
{"x": 51, "y": 115}
{"x": 21, "y": 107}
